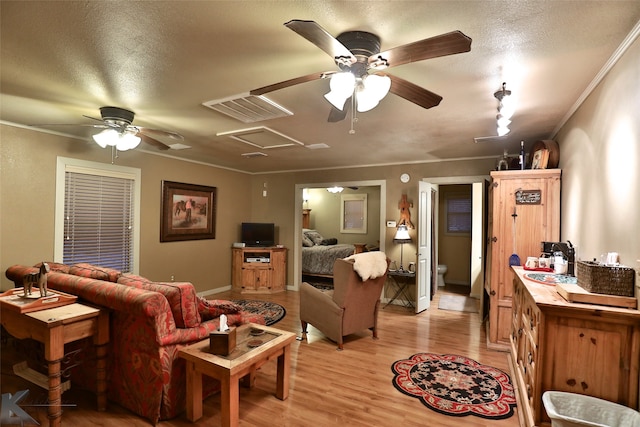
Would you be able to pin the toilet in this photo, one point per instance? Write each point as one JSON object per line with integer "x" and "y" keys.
{"x": 442, "y": 270}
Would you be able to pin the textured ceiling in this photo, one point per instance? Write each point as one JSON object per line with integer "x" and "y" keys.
{"x": 164, "y": 59}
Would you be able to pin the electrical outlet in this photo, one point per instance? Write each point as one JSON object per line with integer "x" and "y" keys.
{"x": 172, "y": 278}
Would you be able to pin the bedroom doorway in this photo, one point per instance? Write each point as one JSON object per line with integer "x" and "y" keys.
{"x": 309, "y": 212}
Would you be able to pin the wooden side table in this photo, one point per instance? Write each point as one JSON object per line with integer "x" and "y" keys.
{"x": 242, "y": 362}
{"x": 54, "y": 328}
{"x": 401, "y": 280}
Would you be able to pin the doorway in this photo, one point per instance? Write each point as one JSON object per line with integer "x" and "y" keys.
{"x": 466, "y": 250}
{"x": 301, "y": 205}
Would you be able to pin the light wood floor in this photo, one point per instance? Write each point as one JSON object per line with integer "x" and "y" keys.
{"x": 328, "y": 387}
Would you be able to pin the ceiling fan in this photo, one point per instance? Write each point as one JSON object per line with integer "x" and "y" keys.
{"x": 120, "y": 133}
{"x": 357, "y": 55}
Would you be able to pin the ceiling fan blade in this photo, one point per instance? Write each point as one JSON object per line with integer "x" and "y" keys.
{"x": 317, "y": 35}
{"x": 442, "y": 45}
{"x": 413, "y": 93}
{"x": 289, "y": 83}
{"x": 172, "y": 135}
{"x": 151, "y": 141}
{"x": 98, "y": 126}
{"x": 336, "y": 115}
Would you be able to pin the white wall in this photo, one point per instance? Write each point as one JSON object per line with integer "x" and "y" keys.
{"x": 600, "y": 161}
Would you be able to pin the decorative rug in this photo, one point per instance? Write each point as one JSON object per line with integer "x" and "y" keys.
{"x": 321, "y": 283}
{"x": 458, "y": 303}
{"x": 272, "y": 312}
{"x": 455, "y": 385}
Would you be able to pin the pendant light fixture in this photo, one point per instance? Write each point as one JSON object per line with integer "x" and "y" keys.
{"x": 505, "y": 110}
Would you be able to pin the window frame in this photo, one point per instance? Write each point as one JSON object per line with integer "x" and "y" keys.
{"x": 66, "y": 164}
{"x": 358, "y": 226}
{"x": 455, "y": 196}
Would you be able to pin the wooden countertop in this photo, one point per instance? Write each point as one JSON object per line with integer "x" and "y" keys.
{"x": 546, "y": 296}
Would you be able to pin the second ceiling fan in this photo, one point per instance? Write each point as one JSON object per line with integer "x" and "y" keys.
{"x": 357, "y": 55}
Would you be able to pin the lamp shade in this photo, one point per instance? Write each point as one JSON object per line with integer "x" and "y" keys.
{"x": 402, "y": 235}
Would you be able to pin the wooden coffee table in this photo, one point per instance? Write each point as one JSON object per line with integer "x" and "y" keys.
{"x": 251, "y": 352}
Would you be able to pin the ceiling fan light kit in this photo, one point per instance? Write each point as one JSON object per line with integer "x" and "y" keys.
{"x": 123, "y": 141}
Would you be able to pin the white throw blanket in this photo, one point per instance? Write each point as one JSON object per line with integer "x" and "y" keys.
{"x": 369, "y": 265}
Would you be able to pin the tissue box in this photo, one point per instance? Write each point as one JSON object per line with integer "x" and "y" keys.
{"x": 222, "y": 343}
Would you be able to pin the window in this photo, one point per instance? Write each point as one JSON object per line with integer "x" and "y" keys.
{"x": 353, "y": 213}
{"x": 97, "y": 214}
{"x": 458, "y": 214}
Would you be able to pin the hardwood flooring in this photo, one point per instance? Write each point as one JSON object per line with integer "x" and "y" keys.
{"x": 328, "y": 387}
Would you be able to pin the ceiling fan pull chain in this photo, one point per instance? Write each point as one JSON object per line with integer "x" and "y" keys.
{"x": 354, "y": 118}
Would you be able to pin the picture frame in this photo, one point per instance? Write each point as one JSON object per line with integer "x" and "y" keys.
{"x": 540, "y": 159}
{"x": 188, "y": 212}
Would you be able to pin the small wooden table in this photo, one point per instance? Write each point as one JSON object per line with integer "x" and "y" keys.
{"x": 54, "y": 327}
{"x": 242, "y": 362}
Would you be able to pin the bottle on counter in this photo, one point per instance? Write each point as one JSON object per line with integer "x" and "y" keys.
{"x": 522, "y": 155}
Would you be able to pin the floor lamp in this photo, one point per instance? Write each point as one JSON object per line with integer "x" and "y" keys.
{"x": 402, "y": 237}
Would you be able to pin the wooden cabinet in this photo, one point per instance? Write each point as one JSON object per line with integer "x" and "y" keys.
{"x": 259, "y": 270}
{"x": 306, "y": 218}
{"x": 533, "y": 196}
{"x": 573, "y": 347}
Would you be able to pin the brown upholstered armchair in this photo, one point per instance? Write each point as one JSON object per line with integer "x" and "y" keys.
{"x": 351, "y": 307}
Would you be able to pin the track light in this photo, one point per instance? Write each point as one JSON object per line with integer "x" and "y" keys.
{"x": 505, "y": 110}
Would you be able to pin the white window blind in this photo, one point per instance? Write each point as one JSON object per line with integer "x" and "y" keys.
{"x": 99, "y": 223}
{"x": 459, "y": 215}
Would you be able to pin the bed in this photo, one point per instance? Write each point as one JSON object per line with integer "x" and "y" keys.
{"x": 319, "y": 254}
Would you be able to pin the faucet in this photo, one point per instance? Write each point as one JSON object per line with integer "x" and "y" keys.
{"x": 570, "y": 254}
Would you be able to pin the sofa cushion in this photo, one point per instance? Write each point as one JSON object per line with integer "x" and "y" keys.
{"x": 95, "y": 272}
{"x": 182, "y": 298}
{"x": 210, "y": 309}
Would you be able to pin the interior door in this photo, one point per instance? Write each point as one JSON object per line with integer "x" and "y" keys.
{"x": 424, "y": 268}
{"x": 477, "y": 239}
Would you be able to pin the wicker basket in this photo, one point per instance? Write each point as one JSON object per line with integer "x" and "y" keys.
{"x": 602, "y": 279}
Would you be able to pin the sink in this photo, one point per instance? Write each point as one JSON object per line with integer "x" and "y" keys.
{"x": 551, "y": 278}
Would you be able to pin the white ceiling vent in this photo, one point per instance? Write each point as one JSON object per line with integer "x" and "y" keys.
{"x": 479, "y": 139}
{"x": 254, "y": 154}
{"x": 248, "y": 108}
{"x": 318, "y": 146}
{"x": 261, "y": 137}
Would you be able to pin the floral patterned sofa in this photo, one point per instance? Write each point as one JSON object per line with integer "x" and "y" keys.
{"x": 149, "y": 323}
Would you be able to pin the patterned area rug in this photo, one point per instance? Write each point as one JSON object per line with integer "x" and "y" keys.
{"x": 455, "y": 385}
{"x": 272, "y": 312}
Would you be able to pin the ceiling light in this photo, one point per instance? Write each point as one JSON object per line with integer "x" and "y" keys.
{"x": 369, "y": 90}
{"x": 335, "y": 190}
{"x": 505, "y": 109}
{"x": 123, "y": 141}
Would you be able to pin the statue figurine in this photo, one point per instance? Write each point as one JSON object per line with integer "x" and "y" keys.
{"x": 405, "y": 214}
{"x": 40, "y": 278}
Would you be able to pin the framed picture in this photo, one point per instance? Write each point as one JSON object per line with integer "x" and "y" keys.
{"x": 540, "y": 159}
{"x": 188, "y": 212}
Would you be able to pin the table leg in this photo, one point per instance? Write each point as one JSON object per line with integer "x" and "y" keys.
{"x": 194, "y": 392}
{"x": 53, "y": 353}
{"x": 230, "y": 401}
{"x": 284, "y": 367}
{"x": 396, "y": 295}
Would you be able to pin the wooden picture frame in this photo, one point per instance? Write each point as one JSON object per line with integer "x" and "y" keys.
{"x": 540, "y": 159}
{"x": 188, "y": 212}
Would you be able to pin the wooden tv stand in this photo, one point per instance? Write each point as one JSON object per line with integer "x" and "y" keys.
{"x": 259, "y": 270}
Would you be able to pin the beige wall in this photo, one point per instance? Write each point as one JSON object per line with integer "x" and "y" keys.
{"x": 600, "y": 161}
{"x": 325, "y": 214}
{"x": 27, "y": 204}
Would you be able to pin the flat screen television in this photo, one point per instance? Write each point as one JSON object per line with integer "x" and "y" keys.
{"x": 256, "y": 234}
